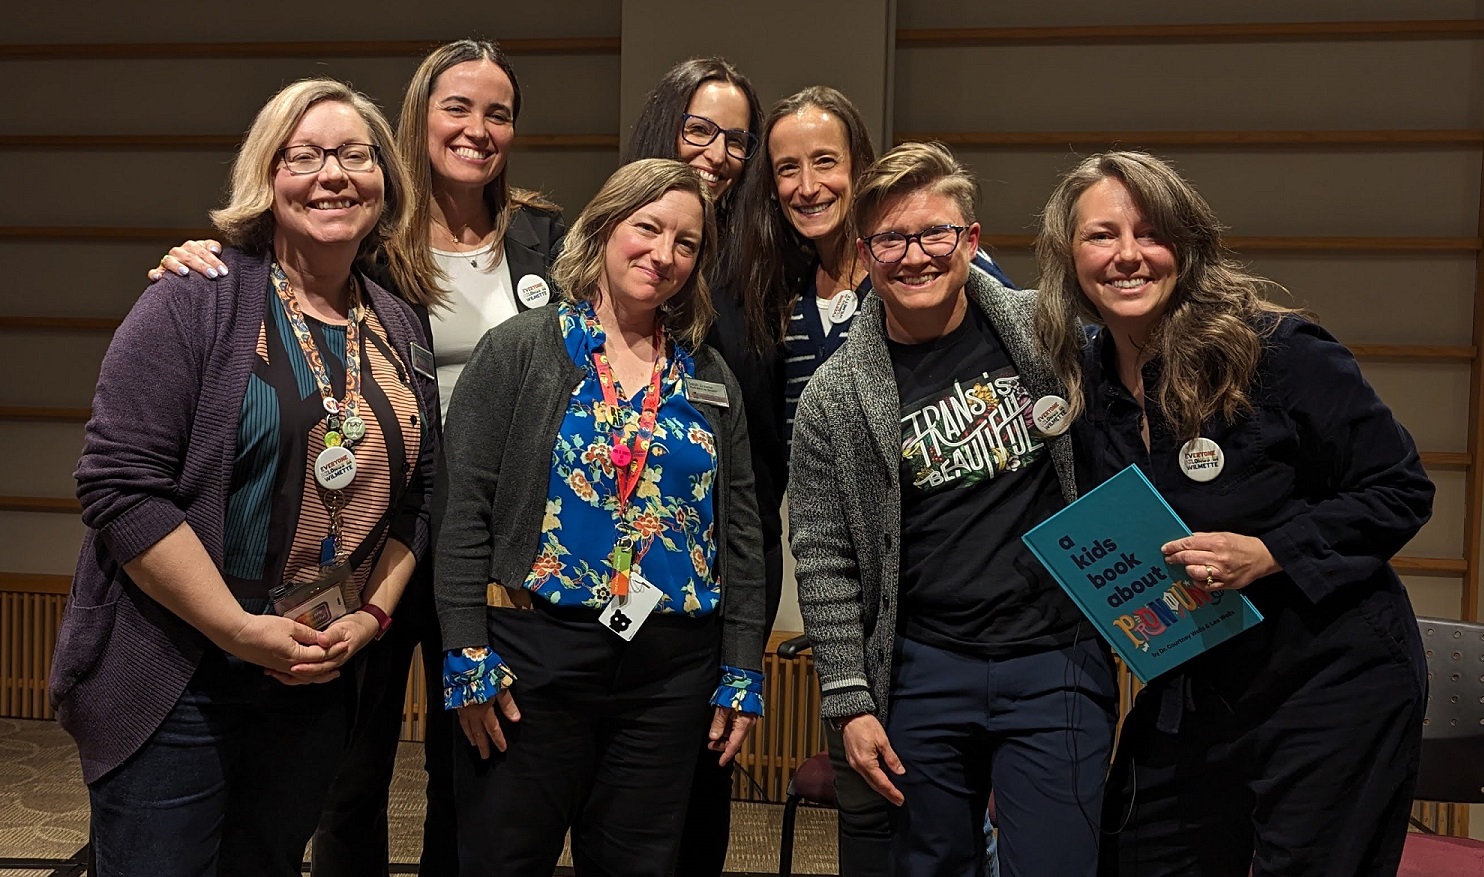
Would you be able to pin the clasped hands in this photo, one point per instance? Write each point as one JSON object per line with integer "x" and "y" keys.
{"x": 297, "y": 654}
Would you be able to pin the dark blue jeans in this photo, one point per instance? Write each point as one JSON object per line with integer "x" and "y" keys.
{"x": 1037, "y": 729}
{"x": 231, "y": 783}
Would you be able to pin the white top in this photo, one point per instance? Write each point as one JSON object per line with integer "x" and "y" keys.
{"x": 480, "y": 296}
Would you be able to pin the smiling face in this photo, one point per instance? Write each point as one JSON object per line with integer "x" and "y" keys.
{"x": 810, "y": 154}
{"x": 726, "y": 105}
{"x": 1123, "y": 267}
{"x": 471, "y": 123}
{"x": 650, "y": 255}
{"x": 332, "y": 207}
{"x": 920, "y": 289}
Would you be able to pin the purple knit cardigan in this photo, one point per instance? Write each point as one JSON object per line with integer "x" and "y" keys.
{"x": 158, "y": 452}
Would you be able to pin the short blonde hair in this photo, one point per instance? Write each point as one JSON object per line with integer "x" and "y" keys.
{"x": 246, "y": 221}
{"x": 909, "y": 167}
{"x": 689, "y": 313}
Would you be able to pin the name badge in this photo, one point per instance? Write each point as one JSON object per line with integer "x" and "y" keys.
{"x": 422, "y": 361}
{"x": 706, "y": 392}
{"x": 625, "y": 615}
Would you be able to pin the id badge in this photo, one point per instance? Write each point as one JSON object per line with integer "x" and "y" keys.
{"x": 422, "y": 361}
{"x": 706, "y": 392}
{"x": 315, "y": 603}
{"x": 625, "y": 615}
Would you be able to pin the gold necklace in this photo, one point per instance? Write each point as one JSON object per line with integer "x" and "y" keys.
{"x": 454, "y": 238}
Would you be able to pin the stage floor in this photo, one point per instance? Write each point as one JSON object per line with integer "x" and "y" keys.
{"x": 44, "y": 809}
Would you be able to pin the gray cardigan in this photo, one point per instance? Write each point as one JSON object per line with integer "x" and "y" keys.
{"x": 491, "y": 491}
{"x": 845, "y": 498}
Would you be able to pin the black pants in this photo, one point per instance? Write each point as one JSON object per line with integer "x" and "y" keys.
{"x": 606, "y": 745}
{"x": 351, "y": 840}
{"x": 708, "y": 820}
{"x": 864, "y": 823}
{"x": 1315, "y": 780}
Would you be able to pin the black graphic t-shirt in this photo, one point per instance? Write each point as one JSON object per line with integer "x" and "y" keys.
{"x": 975, "y": 477}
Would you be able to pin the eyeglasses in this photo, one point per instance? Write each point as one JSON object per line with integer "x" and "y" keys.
{"x": 306, "y": 159}
{"x": 937, "y": 240}
{"x": 700, "y": 131}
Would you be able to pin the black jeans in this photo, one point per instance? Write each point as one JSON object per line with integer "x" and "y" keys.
{"x": 351, "y": 840}
{"x": 606, "y": 745}
{"x": 1313, "y": 780}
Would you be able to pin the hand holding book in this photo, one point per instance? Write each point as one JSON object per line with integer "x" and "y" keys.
{"x": 1221, "y": 561}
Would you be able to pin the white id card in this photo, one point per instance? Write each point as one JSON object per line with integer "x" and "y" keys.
{"x": 625, "y": 615}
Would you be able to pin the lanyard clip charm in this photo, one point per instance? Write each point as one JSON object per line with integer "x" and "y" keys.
{"x": 623, "y": 560}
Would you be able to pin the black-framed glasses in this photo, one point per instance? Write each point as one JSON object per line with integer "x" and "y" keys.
{"x": 306, "y": 158}
{"x": 936, "y": 240}
{"x": 700, "y": 131}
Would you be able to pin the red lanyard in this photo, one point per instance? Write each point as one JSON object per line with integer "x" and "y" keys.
{"x": 628, "y": 458}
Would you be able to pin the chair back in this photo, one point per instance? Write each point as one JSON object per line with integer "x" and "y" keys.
{"x": 1453, "y": 730}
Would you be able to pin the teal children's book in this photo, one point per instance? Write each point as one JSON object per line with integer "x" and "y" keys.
{"x": 1104, "y": 551}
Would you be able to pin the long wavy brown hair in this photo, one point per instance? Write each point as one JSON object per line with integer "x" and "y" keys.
{"x": 409, "y": 257}
{"x": 1210, "y": 337}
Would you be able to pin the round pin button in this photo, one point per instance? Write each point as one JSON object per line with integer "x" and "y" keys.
{"x": 845, "y": 304}
{"x": 1201, "y": 459}
{"x": 355, "y": 428}
{"x": 335, "y": 468}
{"x": 620, "y": 455}
{"x": 533, "y": 290}
{"x": 1050, "y": 414}
{"x": 331, "y": 406}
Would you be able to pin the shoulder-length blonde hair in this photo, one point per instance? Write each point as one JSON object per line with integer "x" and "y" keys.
{"x": 409, "y": 257}
{"x": 246, "y": 221}
{"x": 1209, "y": 339}
{"x": 688, "y": 314}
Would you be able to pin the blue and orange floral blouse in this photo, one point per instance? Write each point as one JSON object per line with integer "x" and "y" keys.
{"x": 670, "y": 514}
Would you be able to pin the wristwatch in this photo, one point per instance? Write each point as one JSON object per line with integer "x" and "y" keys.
{"x": 383, "y": 620}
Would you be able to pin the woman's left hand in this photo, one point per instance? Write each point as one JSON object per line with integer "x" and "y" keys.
{"x": 728, "y": 729}
{"x": 1221, "y": 561}
{"x": 342, "y": 639}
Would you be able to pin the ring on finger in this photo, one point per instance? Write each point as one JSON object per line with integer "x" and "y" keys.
{"x": 1210, "y": 577}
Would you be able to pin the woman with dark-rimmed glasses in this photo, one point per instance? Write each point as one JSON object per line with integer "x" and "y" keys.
{"x": 477, "y": 251}
{"x": 255, "y": 479}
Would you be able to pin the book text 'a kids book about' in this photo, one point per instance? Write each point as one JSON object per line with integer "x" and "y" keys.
{"x": 1104, "y": 551}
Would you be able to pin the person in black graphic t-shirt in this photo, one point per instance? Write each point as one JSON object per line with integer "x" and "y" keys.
{"x": 950, "y": 660}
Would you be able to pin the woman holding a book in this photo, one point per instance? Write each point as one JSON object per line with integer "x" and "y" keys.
{"x": 1291, "y": 748}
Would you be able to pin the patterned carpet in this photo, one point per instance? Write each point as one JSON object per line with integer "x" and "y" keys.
{"x": 44, "y": 810}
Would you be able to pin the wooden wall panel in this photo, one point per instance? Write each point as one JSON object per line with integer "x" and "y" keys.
{"x": 1268, "y": 192}
{"x": 1222, "y": 86}
{"x": 49, "y": 452}
{"x": 101, "y": 21}
{"x": 52, "y": 368}
{"x": 930, "y": 13}
{"x": 40, "y": 543}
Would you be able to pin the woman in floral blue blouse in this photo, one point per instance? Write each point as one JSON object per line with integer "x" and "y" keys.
{"x": 597, "y": 476}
